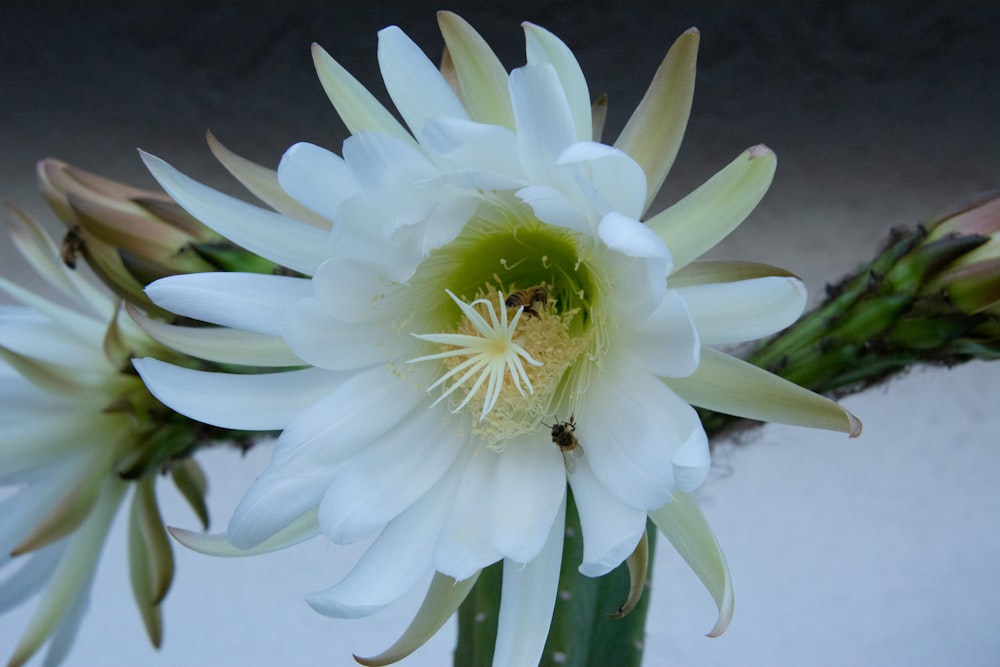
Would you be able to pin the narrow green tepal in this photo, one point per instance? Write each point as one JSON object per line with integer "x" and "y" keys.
{"x": 682, "y": 522}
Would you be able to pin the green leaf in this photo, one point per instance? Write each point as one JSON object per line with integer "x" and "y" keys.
{"x": 151, "y": 561}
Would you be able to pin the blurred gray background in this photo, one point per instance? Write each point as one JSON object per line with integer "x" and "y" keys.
{"x": 880, "y": 551}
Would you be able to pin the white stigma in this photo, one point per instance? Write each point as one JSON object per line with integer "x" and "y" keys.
{"x": 491, "y": 354}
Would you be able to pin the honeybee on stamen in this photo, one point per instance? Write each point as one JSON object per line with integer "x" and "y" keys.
{"x": 528, "y": 298}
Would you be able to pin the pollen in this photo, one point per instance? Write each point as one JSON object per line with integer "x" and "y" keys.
{"x": 504, "y": 369}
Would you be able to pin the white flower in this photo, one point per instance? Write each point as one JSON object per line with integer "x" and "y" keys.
{"x": 497, "y": 184}
{"x": 74, "y": 421}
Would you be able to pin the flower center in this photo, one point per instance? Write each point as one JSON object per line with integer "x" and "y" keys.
{"x": 525, "y": 317}
{"x": 505, "y": 370}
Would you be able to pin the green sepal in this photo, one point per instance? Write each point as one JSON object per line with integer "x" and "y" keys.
{"x": 151, "y": 561}
{"x": 190, "y": 480}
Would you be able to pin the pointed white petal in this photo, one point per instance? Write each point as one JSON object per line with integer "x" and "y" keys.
{"x": 527, "y": 600}
{"x": 317, "y": 178}
{"x": 249, "y": 301}
{"x": 85, "y": 326}
{"x": 706, "y": 216}
{"x": 543, "y": 47}
{"x": 388, "y": 476}
{"x": 443, "y": 598}
{"x": 630, "y": 431}
{"x": 221, "y": 345}
{"x": 617, "y": 181}
{"x": 475, "y": 146}
{"x": 482, "y": 77}
{"x": 464, "y": 546}
{"x": 611, "y": 528}
{"x": 318, "y": 336}
{"x": 714, "y": 271}
{"x": 395, "y": 563}
{"x": 316, "y": 444}
{"x": 653, "y": 134}
{"x": 263, "y": 183}
{"x": 667, "y": 343}
{"x": 357, "y": 409}
{"x": 544, "y": 124}
{"x": 252, "y": 402}
{"x": 684, "y": 525}
{"x": 357, "y": 107}
{"x": 290, "y": 243}
{"x": 552, "y": 207}
{"x": 358, "y": 291}
{"x": 415, "y": 85}
{"x": 529, "y": 485}
{"x": 217, "y": 544}
{"x": 736, "y": 387}
{"x": 73, "y": 576}
{"x": 746, "y": 310}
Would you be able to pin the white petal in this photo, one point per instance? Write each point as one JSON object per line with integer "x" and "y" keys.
{"x": 684, "y": 525}
{"x": 415, "y": 85}
{"x": 221, "y": 345}
{"x": 290, "y": 243}
{"x": 30, "y": 577}
{"x": 263, "y": 183}
{"x": 617, "y": 180}
{"x": 639, "y": 264}
{"x": 745, "y": 310}
{"x": 309, "y": 452}
{"x": 704, "y": 217}
{"x": 544, "y": 124}
{"x": 527, "y": 600}
{"x": 630, "y": 237}
{"x": 475, "y": 145}
{"x": 383, "y": 165}
{"x": 322, "y": 339}
{"x": 252, "y": 402}
{"x": 389, "y": 475}
{"x": 31, "y": 440}
{"x": 464, "y": 546}
{"x": 482, "y": 78}
{"x": 317, "y": 178}
{"x": 218, "y": 545}
{"x": 357, "y": 107}
{"x": 544, "y": 47}
{"x": 630, "y": 430}
{"x": 355, "y": 411}
{"x": 249, "y": 301}
{"x": 553, "y": 207}
{"x": 667, "y": 343}
{"x": 395, "y": 563}
{"x": 611, "y": 528}
{"x": 273, "y": 505}
{"x": 529, "y": 485}
{"x": 358, "y": 291}
{"x": 736, "y": 387}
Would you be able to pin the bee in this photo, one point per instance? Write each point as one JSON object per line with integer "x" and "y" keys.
{"x": 72, "y": 247}
{"x": 563, "y": 435}
{"x": 528, "y": 298}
